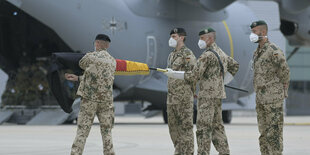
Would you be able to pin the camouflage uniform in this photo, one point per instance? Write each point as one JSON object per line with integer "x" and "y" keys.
{"x": 211, "y": 92}
{"x": 95, "y": 88}
{"x": 29, "y": 85}
{"x": 271, "y": 73}
{"x": 180, "y": 102}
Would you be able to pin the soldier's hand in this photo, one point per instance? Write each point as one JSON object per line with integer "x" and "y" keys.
{"x": 71, "y": 77}
{"x": 174, "y": 74}
{"x": 285, "y": 85}
{"x": 228, "y": 78}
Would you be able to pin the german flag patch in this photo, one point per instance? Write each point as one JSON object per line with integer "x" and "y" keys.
{"x": 276, "y": 54}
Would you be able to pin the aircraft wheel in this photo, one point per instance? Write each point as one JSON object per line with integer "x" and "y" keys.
{"x": 165, "y": 116}
{"x": 227, "y": 116}
{"x": 195, "y": 116}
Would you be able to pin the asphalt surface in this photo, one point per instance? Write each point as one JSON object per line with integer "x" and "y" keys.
{"x": 135, "y": 135}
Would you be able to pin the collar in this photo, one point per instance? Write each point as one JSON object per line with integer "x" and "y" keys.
{"x": 181, "y": 49}
{"x": 103, "y": 49}
{"x": 212, "y": 46}
{"x": 265, "y": 46}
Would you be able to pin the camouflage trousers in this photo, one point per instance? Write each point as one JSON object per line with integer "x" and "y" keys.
{"x": 180, "y": 122}
{"x": 105, "y": 114}
{"x": 210, "y": 127}
{"x": 270, "y": 125}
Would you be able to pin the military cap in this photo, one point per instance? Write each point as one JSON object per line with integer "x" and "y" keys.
{"x": 257, "y": 23}
{"x": 103, "y": 37}
{"x": 179, "y": 31}
{"x": 206, "y": 31}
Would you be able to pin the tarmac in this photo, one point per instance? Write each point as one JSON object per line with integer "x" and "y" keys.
{"x": 135, "y": 135}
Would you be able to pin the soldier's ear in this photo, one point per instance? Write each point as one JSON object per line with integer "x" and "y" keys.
{"x": 266, "y": 32}
{"x": 263, "y": 31}
{"x": 183, "y": 38}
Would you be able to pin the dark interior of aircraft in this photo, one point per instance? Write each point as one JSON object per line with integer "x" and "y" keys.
{"x": 25, "y": 48}
{"x": 31, "y": 38}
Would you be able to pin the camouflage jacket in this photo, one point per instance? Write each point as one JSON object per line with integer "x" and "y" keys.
{"x": 182, "y": 60}
{"x": 208, "y": 72}
{"x": 271, "y": 72}
{"x": 96, "y": 84}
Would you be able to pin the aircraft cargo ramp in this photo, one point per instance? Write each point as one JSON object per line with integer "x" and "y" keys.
{"x": 49, "y": 117}
{"x": 57, "y": 116}
{"x": 5, "y": 116}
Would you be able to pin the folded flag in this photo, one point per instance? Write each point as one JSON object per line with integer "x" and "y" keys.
{"x": 125, "y": 67}
{"x": 71, "y": 61}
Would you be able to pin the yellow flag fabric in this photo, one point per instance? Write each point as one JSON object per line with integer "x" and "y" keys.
{"x": 125, "y": 67}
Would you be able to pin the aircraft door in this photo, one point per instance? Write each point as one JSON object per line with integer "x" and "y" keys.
{"x": 151, "y": 45}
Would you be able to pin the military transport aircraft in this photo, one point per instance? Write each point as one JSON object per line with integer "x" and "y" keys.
{"x": 139, "y": 30}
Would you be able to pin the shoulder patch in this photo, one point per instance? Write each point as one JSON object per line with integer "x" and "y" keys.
{"x": 273, "y": 47}
{"x": 187, "y": 52}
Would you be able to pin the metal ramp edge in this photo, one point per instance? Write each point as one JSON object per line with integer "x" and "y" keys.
{"x": 49, "y": 117}
{"x": 5, "y": 116}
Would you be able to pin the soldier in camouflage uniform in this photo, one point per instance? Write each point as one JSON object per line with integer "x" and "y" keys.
{"x": 209, "y": 74}
{"x": 95, "y": 88}
{"x": 271, "y": 80}
{"x": 27, "y": 87}
{"x": 180, "y": 95}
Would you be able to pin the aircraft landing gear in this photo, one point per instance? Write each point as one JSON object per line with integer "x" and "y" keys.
{"x": 227, "y": 116}
{"x": 165, "y": 116}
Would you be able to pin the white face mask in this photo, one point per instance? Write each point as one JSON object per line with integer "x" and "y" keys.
{"x": 202, "y": 44}
{"x": 172, "y": 43}
{"x": 254, "y": 37}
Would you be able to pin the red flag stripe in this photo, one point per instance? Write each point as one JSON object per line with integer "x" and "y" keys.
{"x": 121, "y": 65}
